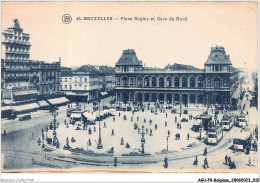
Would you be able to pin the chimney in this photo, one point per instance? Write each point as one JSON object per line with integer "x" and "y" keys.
{"x": 59, "y": 60}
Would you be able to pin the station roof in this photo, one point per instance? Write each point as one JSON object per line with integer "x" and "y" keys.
{"x": 128, "y": 58}
{"x": 218, "y": 56}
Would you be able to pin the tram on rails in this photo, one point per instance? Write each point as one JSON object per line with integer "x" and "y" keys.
{"x": 215, "y": 134}
{"x": 242, "y": 121}
{"x": 228, "y": 122}
{"x": 240, "y": 143}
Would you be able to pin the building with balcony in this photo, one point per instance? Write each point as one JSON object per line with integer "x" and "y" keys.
{"x": 25, "y": 80}
{"x": 85, "y": 83}
{"x": 176, "y": 84}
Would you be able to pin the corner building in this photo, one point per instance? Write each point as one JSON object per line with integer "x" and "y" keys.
{"x": 215, "y": 84}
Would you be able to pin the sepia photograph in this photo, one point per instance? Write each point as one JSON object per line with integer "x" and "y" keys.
{"x": 129, "y": 87}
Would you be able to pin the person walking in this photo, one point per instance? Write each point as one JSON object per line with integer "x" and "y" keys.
{"x": 112, "y": 134}
{"x": 206, "y": 164}
{"x": 115, "y": 162}
{"x": 205, "y": 152}
{"x": 195, "y": 161}
{"x": 226, "y": 159}
{"x": 188, "y": 136}
{"x": 165, "y": 162}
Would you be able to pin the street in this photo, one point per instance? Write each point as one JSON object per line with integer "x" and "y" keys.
{"x": 20, "y": 149}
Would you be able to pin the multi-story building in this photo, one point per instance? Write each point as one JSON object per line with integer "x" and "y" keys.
{"x": 86, "y": 82}
{"x": 177, "y": 84}
{"x": 24, "y": 80}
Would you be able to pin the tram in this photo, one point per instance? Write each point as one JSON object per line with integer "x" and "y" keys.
{"x": 242, "y": 141}
{"x": 242, "y": 121}
{"x": 228, "y": 122}
{"x": 215, "y": 134}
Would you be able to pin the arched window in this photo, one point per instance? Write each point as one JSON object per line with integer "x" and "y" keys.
{"x": 184, "y": 82}
{"x": 192, "y": 82}
{"x": 117, "y": 81}
{"x": 176, "y": 82}
{"x": 131, "y": 81}
{"x": 208, "y": 81}
{"x": 146, "y": 82}
{"x": 169, "y": 82}
{"x": 125, "y": 83}
{"x": 161, "y": 82}
{"x": 225, "y": 82}
{"x": 154, "y": 82}
{"x": 140, "y": 82}
{"x": 216, "y": 82}
{"x": 200, "y": 82}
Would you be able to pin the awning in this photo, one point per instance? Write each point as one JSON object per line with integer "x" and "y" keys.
{"x": 43, "y": 103}
{"x": 103, "y": 93}
{"x": 25, "y": 92}
{"x": 75, "y": 115}
{"x": 26, "y": 107}
{"x": 89, "y": 116}
{"x": 56, "y": 101}
{"x": 6, "y": 108}
{"x": 70, "y": 93}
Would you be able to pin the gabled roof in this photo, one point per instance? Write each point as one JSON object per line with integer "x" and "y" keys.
{"x": 66, "y": 72}
{"x": 106, "y": 69}
{"x": 178, "y": 67}
{"x": 88, "y": 69}
{"x": 218, "y": 56}
{"x": 128, "y": 58}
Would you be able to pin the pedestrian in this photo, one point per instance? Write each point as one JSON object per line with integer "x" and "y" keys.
{"x": 249, "y": 161}
{"x": 112, "y": 134}
{"x": 119, "y": 114}
{"x": 180, "y": 126}
{"x": 94, "y": 128}
{"x": 105, "y": 126}
{"x": 114, "y": 119}
{"x": 150, "y": 121}
{"x": 151, "y": 132}
{"x": 169, "y": 132}
{"x": 144, "y": 120}
{"x": 4, "y": 132}
{"x": 165, "y": 124}
{"x": 166, "y": 115}
{"x": 229, "y": 161}
{"x": 206, "y": 164}
{"x": 155, "y": 126}
{"x": 226, "y": 159}
{"x": 233, "y": 165}
{"x": 165, "y": 162}
{"x": 122, "y": 141}
{"x": 127, "y": 145}
{"x": 177, "y": 125}
{"x": 195, "y": 161}
{"x": 89, "y": 142}
{"x": 137, "y": 118}
{"x": 115, "y": 162}
{"x": 188, "y": 136}
{"x": 32, "y": 136}
{"x": 205, "y": 152}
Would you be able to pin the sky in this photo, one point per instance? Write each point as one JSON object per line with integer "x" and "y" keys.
{"x": 232, "y": 25}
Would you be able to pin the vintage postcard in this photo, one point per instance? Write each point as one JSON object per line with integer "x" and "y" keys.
{"x": 129, "y": 87}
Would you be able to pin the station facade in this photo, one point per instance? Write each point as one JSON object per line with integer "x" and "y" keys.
{"x": 215, "y": 84}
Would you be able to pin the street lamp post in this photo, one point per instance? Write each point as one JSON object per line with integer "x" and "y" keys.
{"x": 142, "y": 139}
{"x": 99, "y": 145}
